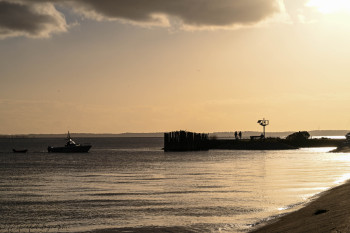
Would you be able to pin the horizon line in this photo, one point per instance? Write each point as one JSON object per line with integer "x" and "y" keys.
{"x": 286, "y": 131}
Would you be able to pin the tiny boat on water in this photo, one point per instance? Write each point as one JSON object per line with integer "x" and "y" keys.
{"x": 70, "y": 147}
{"x": 19, "y": 151}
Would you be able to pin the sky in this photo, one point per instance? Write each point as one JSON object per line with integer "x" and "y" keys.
{"x": 114, "y": 66}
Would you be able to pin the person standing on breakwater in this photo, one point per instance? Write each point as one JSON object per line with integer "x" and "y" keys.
{"x": 240, "y": 134}
{"x": 236, "y": 135}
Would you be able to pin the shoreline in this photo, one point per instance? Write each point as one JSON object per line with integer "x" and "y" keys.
{"x": 328, "y": 212}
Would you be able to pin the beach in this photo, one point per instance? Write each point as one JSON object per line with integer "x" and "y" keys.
{"x": 328, "y": 212}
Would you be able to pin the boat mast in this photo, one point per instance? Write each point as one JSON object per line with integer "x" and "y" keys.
{"x": 68, "y": 136}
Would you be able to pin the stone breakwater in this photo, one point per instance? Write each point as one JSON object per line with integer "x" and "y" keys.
{"x": 185, "y": 141}
{"x": 189, "y": 141}
{"x": 272, "y": 144}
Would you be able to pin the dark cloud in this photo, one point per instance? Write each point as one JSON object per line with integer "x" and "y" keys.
{"x": 40, "y": 18}
{"x": 191, "y": 12}
{"x": 29, "y": 19}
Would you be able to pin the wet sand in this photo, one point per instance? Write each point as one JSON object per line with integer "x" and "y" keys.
{"x": 330, "y": 212}
{"x": 146, "y": 230}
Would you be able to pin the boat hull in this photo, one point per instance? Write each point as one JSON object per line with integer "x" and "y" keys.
{"x": 70, "y": 149}
{"x": 19, "y": 151}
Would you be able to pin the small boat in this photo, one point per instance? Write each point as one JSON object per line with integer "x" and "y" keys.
{"x": 19, "y": 151}
{"x": 70, "y": 147}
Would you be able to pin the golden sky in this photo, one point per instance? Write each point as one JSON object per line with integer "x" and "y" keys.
{"x": 113, "y": 66}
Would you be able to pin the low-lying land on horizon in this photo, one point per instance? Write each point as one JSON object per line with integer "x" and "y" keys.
{"x": 246, "y": 134}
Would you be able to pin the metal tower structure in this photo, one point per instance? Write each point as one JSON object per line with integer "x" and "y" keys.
{"x": 263, "y": 123}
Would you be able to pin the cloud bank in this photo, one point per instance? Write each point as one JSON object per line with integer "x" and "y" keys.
{"x": 30, "y": 19}
{"x": 191, "y": 12}
{"x": 40, "y": 18}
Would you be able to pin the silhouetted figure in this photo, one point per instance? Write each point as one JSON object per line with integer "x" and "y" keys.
{"x": 236, "y": 134}
{"x": 240, "y": 135}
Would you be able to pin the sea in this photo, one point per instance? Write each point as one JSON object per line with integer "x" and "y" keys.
{"x": 132, "y": 185}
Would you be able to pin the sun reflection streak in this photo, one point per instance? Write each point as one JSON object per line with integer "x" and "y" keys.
{"x": 343, "y": 179}
{"x": 319, "y": 149}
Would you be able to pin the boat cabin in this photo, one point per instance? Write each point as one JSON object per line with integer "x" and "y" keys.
{"x": 347, "y": 137}
{"x": 70, "y": 142}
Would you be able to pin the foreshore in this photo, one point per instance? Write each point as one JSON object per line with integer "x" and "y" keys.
{"x": 329, "y": 212}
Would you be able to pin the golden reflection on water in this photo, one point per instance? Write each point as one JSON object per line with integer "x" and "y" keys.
{"x": 291, "y": 178}
{"x": 343, "y": 179}
{"x": 319, "y": 149}
{"x": 229, "y": 190}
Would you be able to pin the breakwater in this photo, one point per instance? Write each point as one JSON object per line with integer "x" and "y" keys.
{"x": 185, "y": 141}
{"x": 245, "y": 144}
{"x": 322, "y": 142}
{"x": 188, "y": 141}
{"x": 272, "y": 144}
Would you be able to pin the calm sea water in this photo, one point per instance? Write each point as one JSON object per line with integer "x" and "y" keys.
{"x": 130, "y": 184}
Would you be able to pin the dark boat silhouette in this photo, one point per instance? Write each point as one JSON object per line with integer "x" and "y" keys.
{"x": 70, "y": 147}
{"x": 19, "y": 151}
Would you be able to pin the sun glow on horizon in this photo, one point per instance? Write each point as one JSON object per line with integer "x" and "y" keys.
{"x": 330, "y": 6}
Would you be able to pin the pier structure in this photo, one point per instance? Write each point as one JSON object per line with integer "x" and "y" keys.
{"x": 185, "y": 141}
{"x": 189, "y": 141}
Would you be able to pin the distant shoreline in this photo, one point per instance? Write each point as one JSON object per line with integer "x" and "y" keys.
{"x": 85, "y": 135}
{"x": 313, "y": 133}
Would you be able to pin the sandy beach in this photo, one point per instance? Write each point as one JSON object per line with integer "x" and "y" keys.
{"x": 330, "y": 212}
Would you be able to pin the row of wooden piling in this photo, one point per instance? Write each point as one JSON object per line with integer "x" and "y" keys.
{"x": 185, "y": 141}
